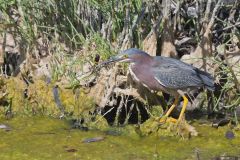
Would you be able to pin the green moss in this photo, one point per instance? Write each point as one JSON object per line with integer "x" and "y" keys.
{"x": 100, "y": 123}
{"x": 45, "y": 138}
{"x": 40, "y": 99}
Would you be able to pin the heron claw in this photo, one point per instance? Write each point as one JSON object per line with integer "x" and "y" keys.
{"x": 166, "y": 119}
{"x": 167, "y": 126}
{"x": 179, "y": 126}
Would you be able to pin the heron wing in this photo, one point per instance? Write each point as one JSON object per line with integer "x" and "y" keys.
{"x": 176, "y": 76}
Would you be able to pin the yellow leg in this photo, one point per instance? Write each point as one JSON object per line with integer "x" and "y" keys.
{"x": 172, "y": 107}
{"x": 185, "y": 102}
{"x": 166, "y": 119}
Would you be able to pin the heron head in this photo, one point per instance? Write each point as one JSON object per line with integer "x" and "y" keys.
{"x": 131, "y": 55}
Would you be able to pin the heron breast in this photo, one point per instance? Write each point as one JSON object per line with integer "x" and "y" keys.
{"x": 145, "y": 76}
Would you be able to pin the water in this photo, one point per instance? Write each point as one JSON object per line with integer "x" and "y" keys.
{"x": 43, "y": 138}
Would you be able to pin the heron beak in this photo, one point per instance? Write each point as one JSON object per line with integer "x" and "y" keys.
{"x": 117, "y": 58}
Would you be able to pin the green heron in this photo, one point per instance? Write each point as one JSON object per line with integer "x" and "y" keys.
{"x": 165, "y": 74}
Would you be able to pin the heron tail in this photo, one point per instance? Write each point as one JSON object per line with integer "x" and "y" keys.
{"x": 207, "y": 79}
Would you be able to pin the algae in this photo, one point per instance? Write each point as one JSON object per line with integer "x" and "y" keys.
{"x": 43, "y": 138}
{"x": 38, "y": 98}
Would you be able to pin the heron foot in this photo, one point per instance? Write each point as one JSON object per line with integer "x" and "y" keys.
{"x": 157, "y": 125}
{"x": 166, "y": 119}
{"x": 167, "y": 126}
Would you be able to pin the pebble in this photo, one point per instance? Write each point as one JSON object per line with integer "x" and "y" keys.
{"x": 5, "y": 127}
{"x": 96, "y": 139}
{"x": 220, "y": 122}
{"x": 229, "y": 135}
{"x": 71, "y": 150}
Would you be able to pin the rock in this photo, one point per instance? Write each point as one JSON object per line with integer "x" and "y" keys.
{"x": 229, "y": 135}
{"x": 226, "y": 158}
{"x": 192, "y": 12}
{"x": 95, "y": 139}
{"x": 220, "y": 49}
{"x": 5, "y": 127}
{"x": 220, "y": 122}
{"x": 71, "y": 150}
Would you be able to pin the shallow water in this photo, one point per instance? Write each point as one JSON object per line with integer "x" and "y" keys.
{"x": 43, "y": 138}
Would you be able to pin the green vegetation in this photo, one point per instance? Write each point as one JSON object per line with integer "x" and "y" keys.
{"x": 47, "y": 44}
{"x": 50, "y": 51}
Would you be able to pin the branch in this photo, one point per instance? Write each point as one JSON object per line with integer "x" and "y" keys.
{"x": 228, "y": 27}
{"x": 132, "y": 92}
{"x": 210, "y": 24}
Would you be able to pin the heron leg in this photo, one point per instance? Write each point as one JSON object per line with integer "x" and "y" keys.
{"x": 165, "y": 117}
{"x": 185, "y": 102}
{"x": 172, "y": 107}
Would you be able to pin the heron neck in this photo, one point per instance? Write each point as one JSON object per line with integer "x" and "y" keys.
{"x": 148, "y": 60}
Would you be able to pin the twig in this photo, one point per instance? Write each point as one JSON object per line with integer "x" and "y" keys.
{"x": 207, "y": 12}
{"x": 129, "y": 114}
{"x": 140, "y": 17}
{"x": 204, "y": 48}
{"x": 132, "y": 92}
{"x": 214, "y": 14}
{"x": 228, "y": 27}
{"x": 111, "y": 82}
{"x": 119, "y": 109}
{"x": 139, "y": 114}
